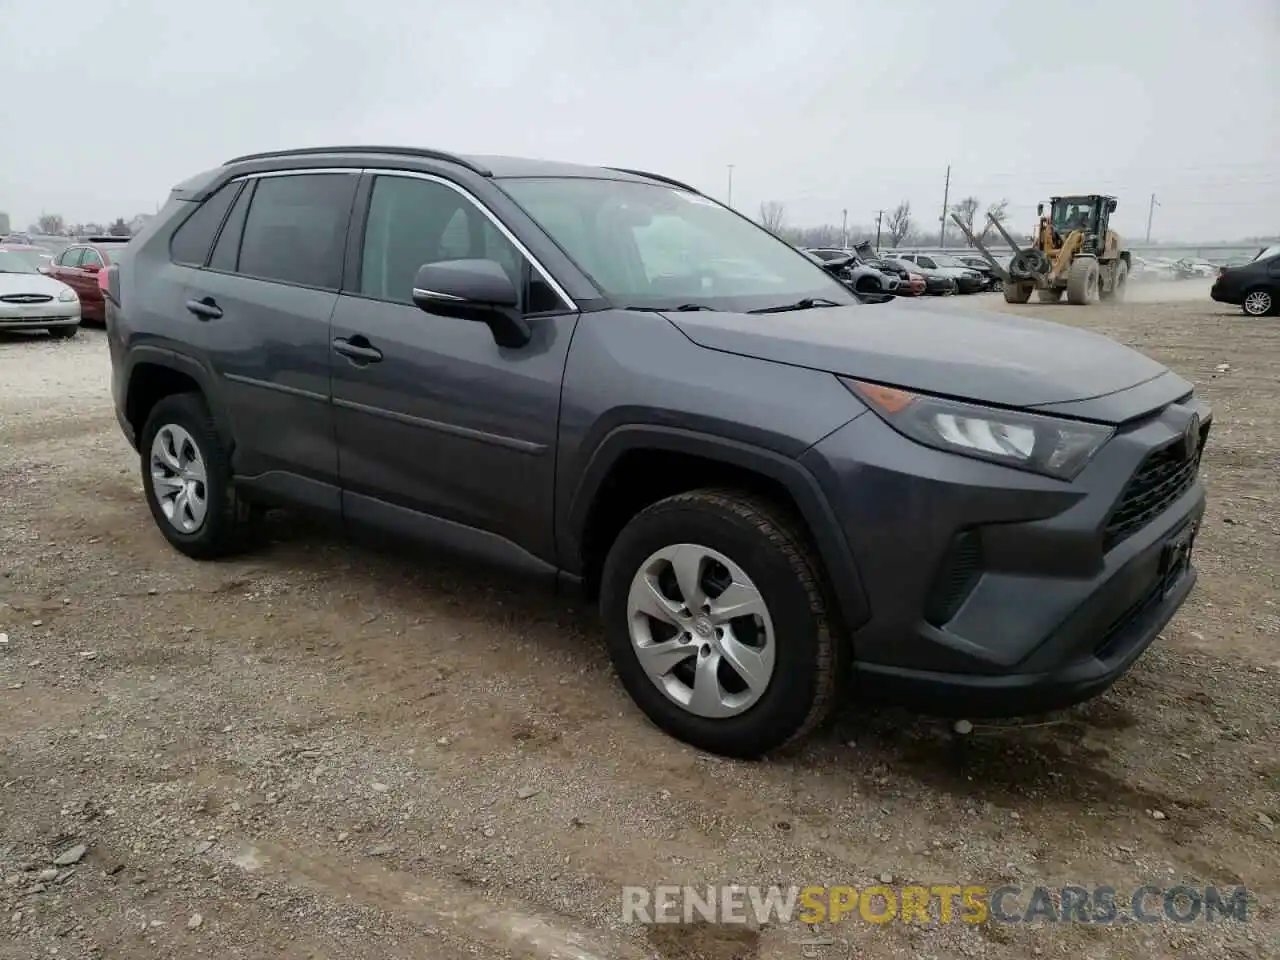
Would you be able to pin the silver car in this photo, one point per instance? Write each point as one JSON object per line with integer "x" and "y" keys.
{"x": 31, "y": 301}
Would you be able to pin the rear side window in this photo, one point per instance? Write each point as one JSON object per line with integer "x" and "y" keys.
{"x": 227, "y": 249}
{"x": 71, "y": 257}
{"x": 296, "y": 229}
{"x": 192, "y": 240}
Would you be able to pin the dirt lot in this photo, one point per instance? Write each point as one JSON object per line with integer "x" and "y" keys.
{"x": 325, "y": 750}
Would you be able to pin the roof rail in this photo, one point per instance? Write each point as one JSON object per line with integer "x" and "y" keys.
{"x": 357, "y": 148}
{"x": 657, "y": 176}
{"x": 107, "y": 239}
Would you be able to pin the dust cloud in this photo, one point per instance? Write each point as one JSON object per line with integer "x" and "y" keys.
{"x": 1168, "y": 291}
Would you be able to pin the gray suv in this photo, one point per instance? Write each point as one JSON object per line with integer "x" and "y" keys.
{"x": 780, "y": 497}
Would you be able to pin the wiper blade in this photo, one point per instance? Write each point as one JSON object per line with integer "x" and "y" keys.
{"x": 808, "y": 303}
{"x": 683, "y": 308}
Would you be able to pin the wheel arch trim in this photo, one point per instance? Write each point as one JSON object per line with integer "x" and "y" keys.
{"x": 816, "y": 512}
{"x": 153, "y": 355}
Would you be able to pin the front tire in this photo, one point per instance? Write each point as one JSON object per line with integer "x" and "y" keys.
{"x": 1082, "y": 281}
{"x": 186, "y": 473}
{"x": 717, "y": 624}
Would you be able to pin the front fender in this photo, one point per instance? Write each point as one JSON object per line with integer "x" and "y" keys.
{"x": 804, "y": 489}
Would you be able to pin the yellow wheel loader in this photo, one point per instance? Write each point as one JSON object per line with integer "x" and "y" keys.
{"x": 1074, "y": 252}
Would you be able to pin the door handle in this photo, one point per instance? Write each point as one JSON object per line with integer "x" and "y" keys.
{"x": 205, "y": 309}
{"x": 357, "y": 349}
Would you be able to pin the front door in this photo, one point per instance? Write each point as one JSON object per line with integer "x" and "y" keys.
{"x": 438, "y": 427}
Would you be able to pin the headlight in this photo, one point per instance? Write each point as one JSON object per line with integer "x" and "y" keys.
{"x": 1028, "y": 441}
{"x": 67, "y": 296}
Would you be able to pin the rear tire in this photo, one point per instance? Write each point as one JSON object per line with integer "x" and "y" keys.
{"x": 1082, "y": 281}
{"x": 1119, "y": 283}
{"x": 1258, "y": 302}
{"x": 64, "y": 333}
{"x": 186, "y": 474}
{"x": 1049, "y": 294}
{"x": 1018, "y": 292}
{"x": 793, "y": 633}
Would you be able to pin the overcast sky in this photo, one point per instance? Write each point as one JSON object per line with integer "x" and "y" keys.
{"x": 823, "y": 106}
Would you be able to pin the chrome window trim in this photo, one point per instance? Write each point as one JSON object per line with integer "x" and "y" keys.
{"x": 502, "y": 227}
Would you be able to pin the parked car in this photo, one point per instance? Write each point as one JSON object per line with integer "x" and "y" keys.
{"x": 937, "y": 283}
{"x": 909, "y": 284}
{"x": 967, "y": 279}
{"x": 1254, "y": 287}
{"x": 31, "y": 301}
{"x": 81, "y": 267}
{"x": 37, "y": 257}
{"x": 768, "y": 487}
{"x": 17, "y": 238}
{"x": 990, "y": 282}
{"x": 863, "y": 278}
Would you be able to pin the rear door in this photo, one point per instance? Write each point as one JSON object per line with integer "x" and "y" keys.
{"x": 263, "y": 302}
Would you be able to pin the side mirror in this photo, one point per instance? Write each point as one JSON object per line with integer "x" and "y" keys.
{"x": 1111, "y": 206}
{"x": 473, "y": 290}
{"x": 1039, "y": 209}
{"x": 44, "y": 268}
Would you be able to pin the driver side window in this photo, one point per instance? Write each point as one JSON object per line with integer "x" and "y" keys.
{"x": 926, "y": 262}
{"x": 412, "y": 222}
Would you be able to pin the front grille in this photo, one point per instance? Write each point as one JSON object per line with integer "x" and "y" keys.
{"x": 1164, "y": 476}
{"x": 26, "y": 298}
{"x": 956, "y": 578}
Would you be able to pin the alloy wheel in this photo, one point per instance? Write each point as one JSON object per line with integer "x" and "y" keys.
{"x": 1258, "y": 303}
{"x": 179, "y": 479}
{"x": 701, "y": 630}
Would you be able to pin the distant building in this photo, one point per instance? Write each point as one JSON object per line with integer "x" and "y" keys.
{"x": 4, "y": 223}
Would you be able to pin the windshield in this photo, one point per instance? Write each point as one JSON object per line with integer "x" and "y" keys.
{"x": 12, "y": 262}
{"x": 1266, "y": 252}
{"x": 1069, "y": 214}
{"x": 37, "y": 258}
{"x": 655, "y": 246}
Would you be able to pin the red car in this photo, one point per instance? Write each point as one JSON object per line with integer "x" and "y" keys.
{"x": 83, "y": 267}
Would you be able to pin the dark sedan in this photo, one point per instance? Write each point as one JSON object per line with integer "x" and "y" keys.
{"x": 1254, "y": 287}
{"x": 936, "y": 283}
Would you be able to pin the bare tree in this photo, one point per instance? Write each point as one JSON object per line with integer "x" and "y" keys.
{"x": 50, "y": 224}
{"x": 966, "y": 210}
{"x": 900, "y": 223}
{"x": 773, "y": 216}
{"x": 997, "y": 212}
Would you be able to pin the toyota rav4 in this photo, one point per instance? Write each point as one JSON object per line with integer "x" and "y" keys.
{"x": 779, "y": 497}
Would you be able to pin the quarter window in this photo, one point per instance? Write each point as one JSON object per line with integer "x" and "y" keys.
{"x": 296, "y": 228}
{"x": 192, "y": 240}
{"x": 227, "y": 249}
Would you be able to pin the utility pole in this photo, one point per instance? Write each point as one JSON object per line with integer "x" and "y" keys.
{"x": 729, "y": 201}
{"x": 844, "y": 229}
{"x": 879, "y": 218}
{"x": 1151, "y": 210}
{"x": 946, "y": 199}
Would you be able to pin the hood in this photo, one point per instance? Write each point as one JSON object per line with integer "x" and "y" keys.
{"x": 995, "y": 358}
{"x": 30, "y": 283}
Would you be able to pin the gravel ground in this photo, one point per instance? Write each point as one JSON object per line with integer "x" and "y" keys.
{"x": 329, "y": 750}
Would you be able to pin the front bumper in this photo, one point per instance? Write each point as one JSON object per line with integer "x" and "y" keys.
{"x": 995, "y": 592}
{"x": 39, "y": 316}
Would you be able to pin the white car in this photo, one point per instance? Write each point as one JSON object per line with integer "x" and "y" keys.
{"x": 31, "y": 301}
